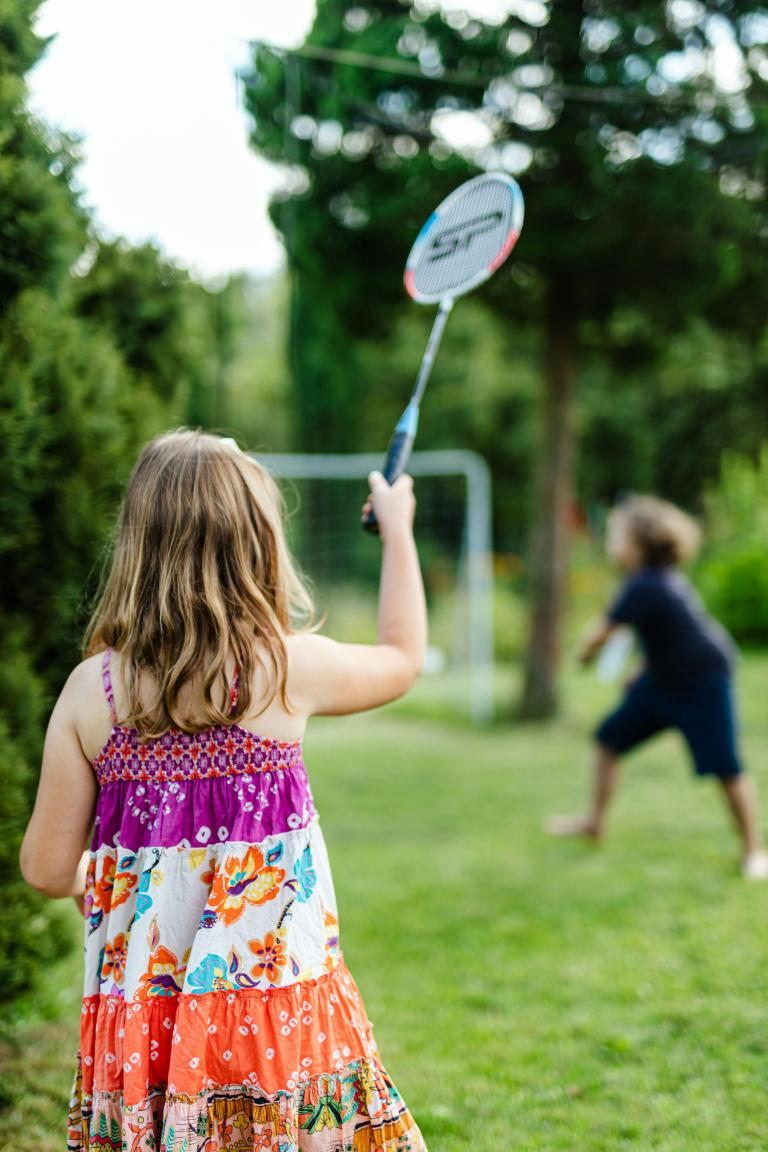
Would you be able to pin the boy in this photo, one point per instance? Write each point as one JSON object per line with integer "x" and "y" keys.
{"x": 686, "y": 682}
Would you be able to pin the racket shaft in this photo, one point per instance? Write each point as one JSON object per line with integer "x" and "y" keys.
{"x": 430, "y": 352}
{"x": 401, "y": 444}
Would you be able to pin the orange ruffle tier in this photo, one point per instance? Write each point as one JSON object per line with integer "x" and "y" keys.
{"x": 193, "y": 1042}
{"x": 293, "y": 1068}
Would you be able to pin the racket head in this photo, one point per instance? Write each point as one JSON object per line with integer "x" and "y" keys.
{"x": 468, "y": 236}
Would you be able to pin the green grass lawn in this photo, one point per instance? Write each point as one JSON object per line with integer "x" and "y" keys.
{"x": 528, "y": 994}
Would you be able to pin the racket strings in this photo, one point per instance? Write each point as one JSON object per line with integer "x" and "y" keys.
{"x": 465, "y": 239}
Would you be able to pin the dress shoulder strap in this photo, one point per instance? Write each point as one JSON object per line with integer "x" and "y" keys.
{"x": 106, "y": 679}
{"x": 233, "y": 691}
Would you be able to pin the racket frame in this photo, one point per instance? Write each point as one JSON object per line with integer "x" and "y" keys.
{"x": 518, "y": 215}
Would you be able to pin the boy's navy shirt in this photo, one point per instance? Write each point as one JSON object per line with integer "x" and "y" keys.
{"x": 681, "y": 643}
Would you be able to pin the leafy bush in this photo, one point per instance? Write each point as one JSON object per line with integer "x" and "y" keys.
{"x": 28, "y": 937}
{"x": 733, "y": 576}
{"x": 737, "y": 509}
{"x": 734, "y": 585}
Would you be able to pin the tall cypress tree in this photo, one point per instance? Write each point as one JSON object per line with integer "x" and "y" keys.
{"x": 41, "y": 233}
{"x": 91, "y": 364}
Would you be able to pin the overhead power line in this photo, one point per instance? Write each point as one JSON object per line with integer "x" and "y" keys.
{"x": 579, "y": 93}
{"x": 375, "y": 63}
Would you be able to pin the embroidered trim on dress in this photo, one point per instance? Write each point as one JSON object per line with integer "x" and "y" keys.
{"x": 222, "y": 751}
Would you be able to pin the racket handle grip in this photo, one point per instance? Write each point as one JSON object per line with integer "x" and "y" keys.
{"x": 398, "y": 455}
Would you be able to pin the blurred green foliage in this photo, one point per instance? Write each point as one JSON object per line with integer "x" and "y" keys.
{"x": 41, "y": 231}
{"x": 737, "y": 507}
{"x": 645, "y": 224}
{"x": 734, "y": 571}
{"x": 734, "y": 584}
{"x": 102, "y": 345}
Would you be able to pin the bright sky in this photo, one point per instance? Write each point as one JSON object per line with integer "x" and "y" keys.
{"x": 150, "y": 88}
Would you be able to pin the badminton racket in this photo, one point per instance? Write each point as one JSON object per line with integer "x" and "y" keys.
{"x": 468, "y": 236}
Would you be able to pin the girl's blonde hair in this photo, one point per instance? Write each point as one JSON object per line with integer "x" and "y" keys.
{"x": 663, "y": 534}
{"x": 200, "y": 568}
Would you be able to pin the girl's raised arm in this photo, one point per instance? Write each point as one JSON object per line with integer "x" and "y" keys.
{"x": 328, "y": 678}
{"x": 56, "y": 837}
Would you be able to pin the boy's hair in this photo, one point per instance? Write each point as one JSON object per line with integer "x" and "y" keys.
{"x": 664, "y": 535}
{"x": 200, "y": 568}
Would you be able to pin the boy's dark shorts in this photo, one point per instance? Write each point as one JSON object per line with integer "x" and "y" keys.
{"x": 704, "y": 712}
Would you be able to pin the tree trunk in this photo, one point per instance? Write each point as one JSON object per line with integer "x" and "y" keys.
{"x": 549, "y": 545}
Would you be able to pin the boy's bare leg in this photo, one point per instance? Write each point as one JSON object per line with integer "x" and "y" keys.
{"x": 740, "y": 796}
{"x": 606, "y": 774}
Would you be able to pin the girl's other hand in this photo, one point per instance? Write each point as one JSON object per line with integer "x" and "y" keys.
{"x": 394, "y": 505}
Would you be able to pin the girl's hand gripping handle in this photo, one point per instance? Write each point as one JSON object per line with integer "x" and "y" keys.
{"x": 398, "y": 455}
{"x": 394, "y": 504}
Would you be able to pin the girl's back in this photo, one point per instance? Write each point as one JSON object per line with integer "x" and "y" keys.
{"x": 212, "y": 935}
{"x": 218, "y": 1012}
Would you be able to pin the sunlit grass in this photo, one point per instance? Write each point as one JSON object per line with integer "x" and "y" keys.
{"x": 527, "y": 994}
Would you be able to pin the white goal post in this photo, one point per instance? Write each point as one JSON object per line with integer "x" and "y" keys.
{"x": 475, "y": 561}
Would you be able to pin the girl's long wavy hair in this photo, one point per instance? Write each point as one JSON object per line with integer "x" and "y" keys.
{"x": 200, "y": 569}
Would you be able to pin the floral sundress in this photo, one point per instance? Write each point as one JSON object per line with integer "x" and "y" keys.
{"x": 218, "y": 1013}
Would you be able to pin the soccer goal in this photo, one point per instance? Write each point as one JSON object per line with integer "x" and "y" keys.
{"x": 324, "y": 493}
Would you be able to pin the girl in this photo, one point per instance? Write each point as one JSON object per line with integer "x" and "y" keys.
{"x": 687, "y": 680}
{"x": 218, "y": 1012}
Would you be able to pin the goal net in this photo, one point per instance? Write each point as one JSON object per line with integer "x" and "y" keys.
{"x": 324, "y": 494}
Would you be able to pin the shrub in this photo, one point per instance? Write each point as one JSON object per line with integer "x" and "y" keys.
{"x": 733, "y": 575}
{"x": 734, "y": 585}
{"x": 28, "y": 935}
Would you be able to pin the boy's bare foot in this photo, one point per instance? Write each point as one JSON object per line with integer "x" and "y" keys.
{"x": 755, "y": 865}
{"x": 572, "y": 826}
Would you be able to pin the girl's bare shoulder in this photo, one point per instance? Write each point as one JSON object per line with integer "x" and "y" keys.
{"x": 307, "y": 645}
{"x": 85, "y": 683}
{"x": 309, "y": 652}
{"x": 84, "y": 702}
